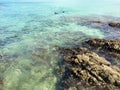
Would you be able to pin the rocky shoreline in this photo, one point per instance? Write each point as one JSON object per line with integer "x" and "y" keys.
{"x": 108, "y": 47}
{"x": 90, "y": 66}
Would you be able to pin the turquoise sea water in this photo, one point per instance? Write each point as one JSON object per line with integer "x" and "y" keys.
{"x": 29, "y": 33}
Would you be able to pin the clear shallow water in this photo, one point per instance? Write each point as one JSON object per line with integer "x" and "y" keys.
{"x": 29, "y": 33}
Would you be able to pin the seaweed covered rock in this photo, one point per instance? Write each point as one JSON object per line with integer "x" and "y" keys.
{"x": 95, "y": 69}
{"x": 112, "y": 47}
{"x": 82, "y": 65}
{"x": 114, "y": 24}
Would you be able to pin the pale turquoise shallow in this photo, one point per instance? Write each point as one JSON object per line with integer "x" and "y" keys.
{"x": 29, "y": 33}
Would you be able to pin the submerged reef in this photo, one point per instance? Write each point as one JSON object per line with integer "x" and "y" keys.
{"x": 87, "y": 66}
{"x": 109, "y": 25}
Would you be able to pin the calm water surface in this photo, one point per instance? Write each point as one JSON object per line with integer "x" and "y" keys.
{"x": 29, "y": 33}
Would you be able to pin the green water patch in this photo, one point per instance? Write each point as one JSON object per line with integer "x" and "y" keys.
{"x": 30, "y": 63}
{"x": 32, "y": 73}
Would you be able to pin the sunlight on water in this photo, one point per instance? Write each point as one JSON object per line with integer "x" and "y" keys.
{"x": 26, "y": 74}
{"x": 29, "y": 35}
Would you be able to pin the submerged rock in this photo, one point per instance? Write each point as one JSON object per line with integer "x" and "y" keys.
{"x": 55, "y": 13}
{"x": 96, "y": 21}
{"x": 84, "y": 68}
{"x": 114, "y": 24}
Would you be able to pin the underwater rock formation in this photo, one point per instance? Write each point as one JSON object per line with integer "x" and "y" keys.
{"x": 112, "y": 47}
{"x": 114, "y": 24}
{"x": 84, "y": 68}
